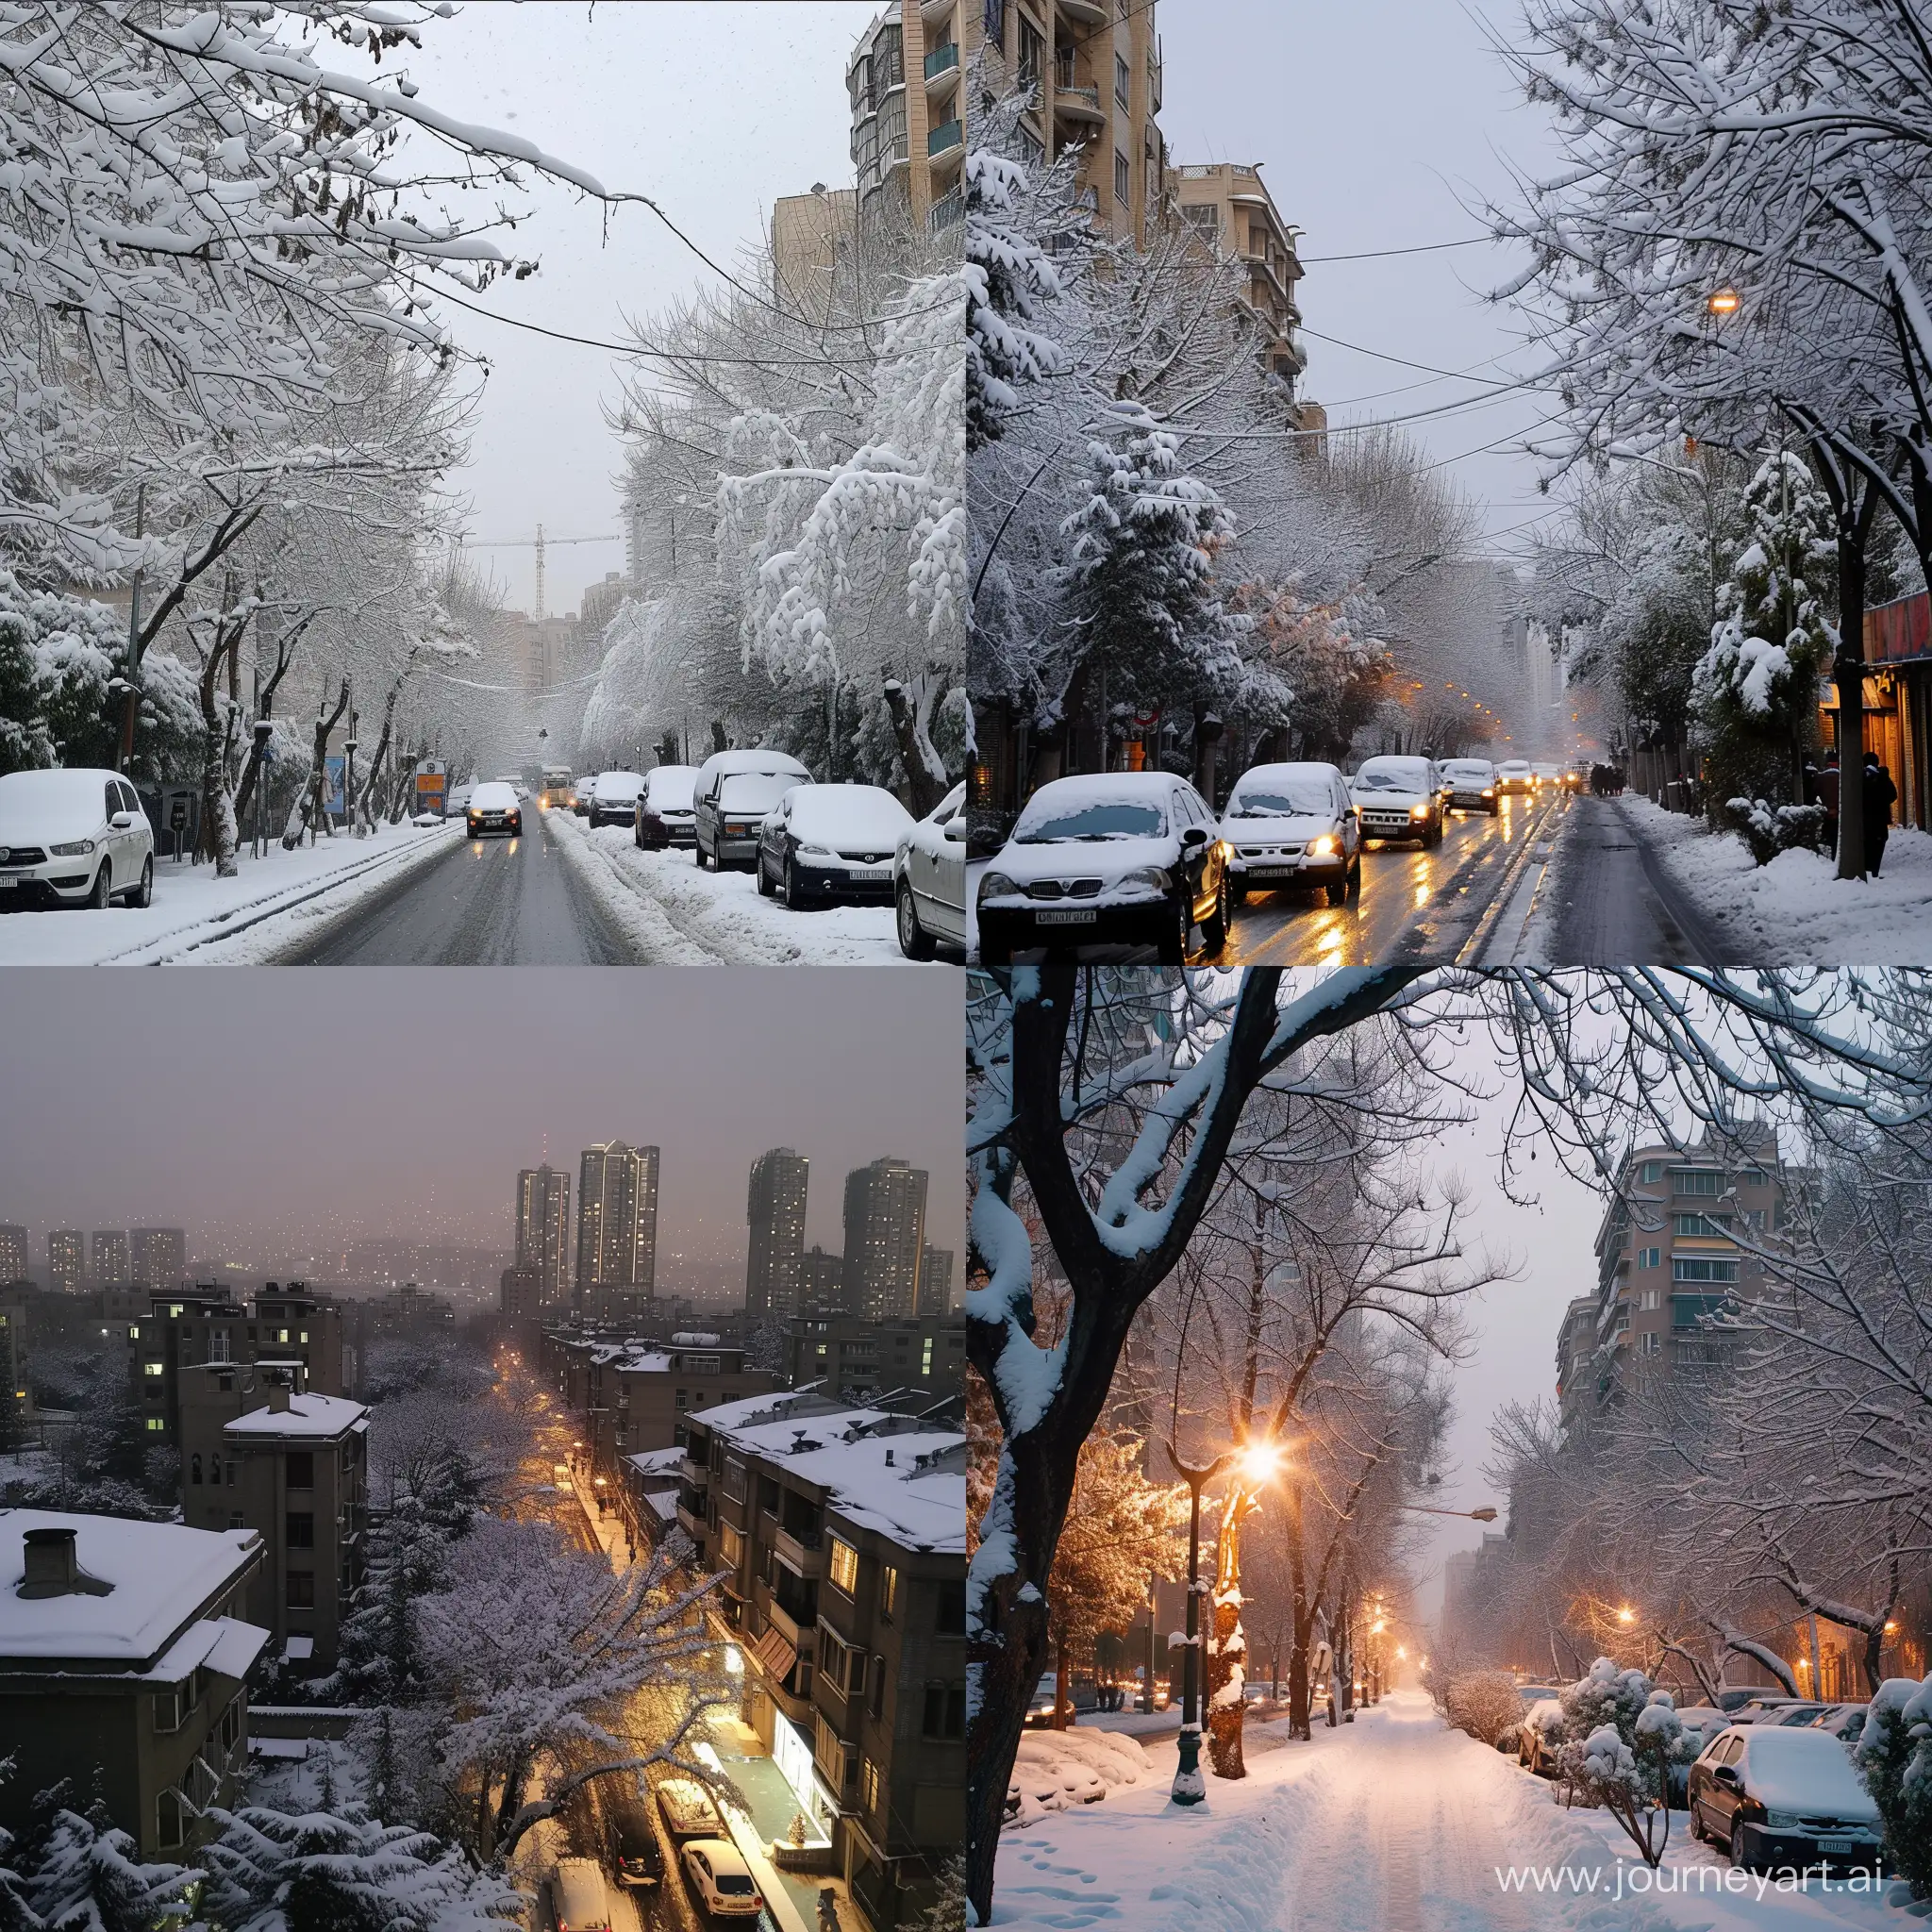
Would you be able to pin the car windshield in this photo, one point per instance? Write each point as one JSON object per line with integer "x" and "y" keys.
{"x": 1305, "y": 799}
{"x": 618, "y": 785}
{"x": 1089, "y": 819}
{"x": 1465, "y": 768}
{"x": 1390, "y": 775}
{"x": 53, "y": 800}
{"x": 759, "y": 791}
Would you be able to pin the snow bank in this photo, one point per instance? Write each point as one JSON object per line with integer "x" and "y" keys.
{"x": 1056, "y": 1770}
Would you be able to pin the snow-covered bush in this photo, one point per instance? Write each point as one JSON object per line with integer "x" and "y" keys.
{"x": 1769, "y": 830}
{"x": 1484, "y": 1703}
{"x": 1894, "y": 1754}
{"x": 1058, "y": 1771}
{"x": 1643, "y": 1717}
{"x": 78, "y": 1873}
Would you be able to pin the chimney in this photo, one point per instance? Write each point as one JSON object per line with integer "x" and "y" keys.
{"x": 53, "y": 1569}
{"x": 278, "y": 1398}
{"x": 888, "y": 1459}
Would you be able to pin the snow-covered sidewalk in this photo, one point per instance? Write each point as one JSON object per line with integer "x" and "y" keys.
{"x": 1797, "y": 911}
{"x": 682, "y": 916}
{"x": 1393, "y": 1821}
{"x": 274, "y": 904}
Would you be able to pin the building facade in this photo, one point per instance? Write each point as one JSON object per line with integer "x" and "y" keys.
{"x": 66, "y": 1260}
{"x": 908, "y": 143}
{"x": 543, "y": 1231}
{"x": 13, "y": 1253}
{"x": 855, "y": 1360}
{"x": 111, "y": 1266}
{"x": 1228, "y": 209}
{"x": 775, "y": 1211}
{"x": 157, "y": 1256}
{"x": 934, "y": 1281}
{"x": 885, "y": 1237}
{"x": 617, "y": 1232}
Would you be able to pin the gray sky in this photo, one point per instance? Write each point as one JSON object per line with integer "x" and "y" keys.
{"x": 402, "y": 1102}
{"x": 1378, "y": 124}
{"x": 713, "y": 110}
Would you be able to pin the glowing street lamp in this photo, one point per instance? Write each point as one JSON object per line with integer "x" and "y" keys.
{"x": 1627, "y": 1615}
{"x": 1724, "y": 302}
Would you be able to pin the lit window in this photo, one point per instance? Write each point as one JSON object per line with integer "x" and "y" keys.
{"x": 868, "y": 1778}
{"x": 842, "y": 1566}
{"x": 156, "y": 1423}
{"x": 153, "y": 1368}
{"x": 889, "y": 1591}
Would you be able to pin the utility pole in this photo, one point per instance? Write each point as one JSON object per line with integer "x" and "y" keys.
{"x": 132, "y": 707}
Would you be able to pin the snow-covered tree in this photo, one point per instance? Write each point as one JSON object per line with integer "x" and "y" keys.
{"x": 1894, "y": 1756}
{"x": 79, "y": 1873}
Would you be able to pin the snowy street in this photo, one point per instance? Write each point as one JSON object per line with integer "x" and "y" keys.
{"x": 1393, "y": 1823}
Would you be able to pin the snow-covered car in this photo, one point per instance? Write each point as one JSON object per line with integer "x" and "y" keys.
{"x": 1472, "y": 785}
{"x": 631, "y": 1841}
{"x": 1514, "y": 776}
{"x": 1040, "y": 1710}
{"x": 518, "y": 788}
{"x": 824, "y": 844}
{"x": 1548, "y": 777}
{"x": 1288, "y": 825}
{"x": 614, "y": 801}
{"x": 930, "y": 880}
{"x": 494, "y": 808}
{"x": 1762, "y": 1708}
{"x": 73, "y": 837}
{"x": 687, "y": 1809}
{"x": 1539, "y": 1734}
{"x": 1397, "y": 798}
{"x": 1114, "y": 859}
{"x": 458, "y": 802}
{"x": 664, "y": 814}
{"x": 721, "y": 1880}
{"x": 578, "y": 1902}
{"x": 581, "y": 797}
{"x": 734, "y": 791}
{"x": 1844, "y": 1721}
{"x": 1776, "y": 1796}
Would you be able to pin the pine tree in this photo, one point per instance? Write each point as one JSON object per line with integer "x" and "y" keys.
{"x": 83, "y": 1875}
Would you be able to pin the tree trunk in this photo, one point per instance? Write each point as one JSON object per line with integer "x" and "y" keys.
{"x": 1063, "y": 1699}
{"x": 1225, "y": 1675}
{"x": 306, "y": 813}
{"x": 925, "y": 778}
{"x": 1848, "y": 674}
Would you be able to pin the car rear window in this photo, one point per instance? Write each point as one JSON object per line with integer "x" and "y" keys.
{"x": 1092, "y": 818}
{"x": 735, "y": 1883}
{"x": 671, "y": 790}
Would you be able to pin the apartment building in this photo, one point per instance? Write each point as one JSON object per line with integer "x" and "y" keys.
{"x": 1669, "y": 1257}
{"x": 1576, "y": 1376}
{"x": 617, "y": 1232}
{"x": 855, "y": 1360}
{"x": 813, "y": 237}
{"x": 635, "y": 1395}
{"x": 885, "y": 1237}
{"x": 544, "y": 1230}
{"x": 261, "y": 1451}
{"x": 13, "y": 1253}
{"x": 124, "y": 1650}
{"x": 775, "y": 1214}
{"x": 934, "y": 1281}
{"x": 157, "y": 1256}
{"x": 908, "y": 139}
{"x": 113, "y": 1267}
{"x": 66, "y": 1260}
{"x": 1094, "y": 67}
{"x": 841, "y": 1533}
{"x": 1228, "y": 209}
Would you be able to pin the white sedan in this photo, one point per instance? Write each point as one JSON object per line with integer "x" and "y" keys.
{"x": 929, "y": 871}
{"x": 722, "y": 1879}
{"x": 73, "y": 837}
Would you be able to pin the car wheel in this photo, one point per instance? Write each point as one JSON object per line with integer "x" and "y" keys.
{"x": 764, "y": 878}
{"x": 1173, "y": 950}
{"x": 1735, "y": 1846}
{"x": 142, "y": 895}
{"x": 1355, "y": 879}
{"x": 1697, "y": 1830}
{"x": 914, "y": 940}
{"x": 102, "y": 894}
{"x": 1338, "y": 892}
{"x": 1214, "y": 928}
{"x": 793, "y": 897}
{"x": 697, "y": 853}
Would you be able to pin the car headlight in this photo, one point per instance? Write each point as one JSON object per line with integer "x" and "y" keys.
{"x": 1153, "y": 877}
{"x": 1323, "y": 846}
{"x": 1418, "y": 811}
{"x": 996, "y": 885}
{"x": 815, "y": 851}
{"x": 1489, "y": 792}
{"x": 73, "y": 849}
{"x": 1781, "y": 1821}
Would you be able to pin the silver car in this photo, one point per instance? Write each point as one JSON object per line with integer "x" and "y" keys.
{"x": 930, "y": 880}
{"x": 73, "y": 837}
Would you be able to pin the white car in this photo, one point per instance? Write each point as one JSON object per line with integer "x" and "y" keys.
{"x": 1471, "y": 784}
{"x": 1548, "y": 777}
{"x": 930, "y": 880}
{"x": 722, "y": 1879}
{"x": 822, "y": 844}
{"x": 665, "y": 814}
{"x": 73, "y": 837}
{"x": 1292, "y": 824}
{"x": 1514, "y": 775}
{"x": 1114, "y": 859}
{"x": 734, "y": 791}
{"x": 459, "y": 802}
{"x": 1778, "y": 1797}
{"x": 1399, "y": 798}
{"x": 494, "y": 808}
{"x": 614, "y": 798}
{"x": 688, "y": 1808}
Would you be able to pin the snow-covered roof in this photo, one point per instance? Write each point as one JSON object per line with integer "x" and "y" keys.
{"x": 160, "y": 1574}
{"x": 728, "y": 1416}
{"x": 663, "y": 1504}
{"x": 656, "y": 1461}
{"x": 645, "y": 1363}
{"x": 306, "y": 1415}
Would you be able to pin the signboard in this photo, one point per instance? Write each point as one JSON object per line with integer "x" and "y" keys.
{"x": 431, "y": 785}
{"x": 332, "y": 790}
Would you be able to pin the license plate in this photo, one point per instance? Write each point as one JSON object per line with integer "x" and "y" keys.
{"x": 1272, "y": 872}
{"x": 876, "y": 875}
{"x": 7, "y": 885}
{"x": 1066, "y": 918}
{"x": 1838, "y": 1844}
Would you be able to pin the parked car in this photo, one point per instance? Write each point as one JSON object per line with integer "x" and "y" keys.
{"x": 1772, "y": 1796}
{"x": 614, "y": 798}
{"x": 1114, "y": 858}
{"x": 1292, "y": 826}
{"x": 1844, "y": 1721}
{"x": 1040, "y": 1711}
{"x": 930, "y": 880}
{"x": 459, "y": 802}
{"x": 1548, "y": 777}
{"x": 1397, "y": 799}
{"x": 631, "y": 1840}
{"x": 494, "y": 808}
{"x": 688, "y": 1809}
{"x": 1535, "y": 1737}
{"x": 829, "y": 844}
{"x": 733, "y": 793}
{"x": 721, "y": 1879}
{"x": 664, "y": 813}
{"x": 1577, "y": 775}
{"x": 1794, "y": 1714}
{"x": 73, "y": 837}
{"x": 1472, "y": 785}
{"x": 578, "y": 1902}
{"x": 581, "y": 798}
{"x": 1513, "y": 775}
{"x": 1510, "y": 1740}
{"x": 1757, "y": 1707}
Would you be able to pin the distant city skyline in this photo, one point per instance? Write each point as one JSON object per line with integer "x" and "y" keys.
{"x": 278, "y": 1160}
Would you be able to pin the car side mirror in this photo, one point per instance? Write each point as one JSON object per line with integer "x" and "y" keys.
{"x": 955, "y": 829}
{"x": 1193, "y": 838}
{"x": 1725, "y": 1774}
{"x": 122, "y": 820}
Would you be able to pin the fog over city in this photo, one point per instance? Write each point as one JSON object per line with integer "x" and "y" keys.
{"x": 375, "y": 1108}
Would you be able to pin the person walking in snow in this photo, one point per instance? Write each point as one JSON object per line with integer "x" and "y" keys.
{"x": 1879, "y": 794}
{"x": 1826, "y": 789}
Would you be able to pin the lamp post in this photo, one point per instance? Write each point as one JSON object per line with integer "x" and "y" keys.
{"x": 1189, "y": 1787}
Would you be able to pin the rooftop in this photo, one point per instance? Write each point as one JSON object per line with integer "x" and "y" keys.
{"x": 306, "y": 1415}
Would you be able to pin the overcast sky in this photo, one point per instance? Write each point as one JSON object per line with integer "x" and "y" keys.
{"x": 402, "y": 1102}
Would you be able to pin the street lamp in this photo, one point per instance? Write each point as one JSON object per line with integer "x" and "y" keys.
{"x": 1627, "y": 1615}
{"x": 1724, "y": 302}
{"x": 1189, "y": 1787}
{"x": 1484, "y": 1514}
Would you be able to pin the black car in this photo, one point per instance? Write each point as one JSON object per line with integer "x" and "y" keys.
{"x": 494, "y": 808}
{"x": 823, "y": 843}
{"x": 636, "y": 1855}
{"x": 1783, "y": 1797}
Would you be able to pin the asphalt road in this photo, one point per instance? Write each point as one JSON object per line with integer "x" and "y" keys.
{"x": 490, "y": 902}
{"x": 1413, "y": 904}
{"x": 1614, "y": 904}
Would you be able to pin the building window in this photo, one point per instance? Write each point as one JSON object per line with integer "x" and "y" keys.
{"x": 841, "y": 1566}
{"x": 1696, "y": 1180}
{"x": 1649, "y": 1299}
{"x": 889, "y": 1591}
{"x": 869, "y": 1781}
{"x": 169, "y": 1820}
{"x": 732, "y": 1482}
{"x": 1650, "y": 1344}
{"x": 945, "y": 1710}
{"x": 300, "y": 1465}
{"x": 1120, "y": 179}
{"x": 301, "y": 1531}
{"x": 1032, "y": 53}
{"x": 168, "y": 1710}
{"x": 301, "y": 1590}
{"x": 1705, "y": 1226}
{"x": 994, "y": 23}
{"x": 1649, "y": 1258}
{"x": 153, "y": 1368}
{"x": 949, "y": 1613}
{"x": 194, "y": 1470}
{"x": 730, "y": 1545}
{"x": 1122, "y": 79}
{"x": 1696, "y": 1267}
{"x": 156, "y": 1425}
{"x": 1651, "y": 1172}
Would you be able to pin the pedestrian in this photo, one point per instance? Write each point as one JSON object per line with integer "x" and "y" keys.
{"x": 828, "y": 1909}
{"x": 1879, "y": 794}
{"x": 1827, "y": 796}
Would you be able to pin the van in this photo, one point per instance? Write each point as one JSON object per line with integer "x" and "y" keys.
{"x": 577, "y": 1898}
{"x": 734, "y": 791}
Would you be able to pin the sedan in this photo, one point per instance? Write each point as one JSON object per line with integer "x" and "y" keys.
{"x": 1779, "y": 1798}
{"x": 722, "y": 1879}
{"x": 930, "y": 880}
{"x": 1472, "y": 785}
{"x": 822, "y": 844}
{"x": 1514, "y": 775}
{"x": 1397, "y": 799}
{"x": 630, "y": 1840}
{"x": 1117, "y": 858}
{"x": 1548, "y": 777}
{"x": 1288, "y": 825}
{"x": 664, "y": 815}
{"x": 73, "y": 837}
{"x": 614, "y": 798}
{"x": 494, "y": 808}
{"x": 688, "y": 1809}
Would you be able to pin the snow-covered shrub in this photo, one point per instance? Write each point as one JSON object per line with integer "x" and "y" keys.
{"x": 1057, "y": 1771}
{"x": 1643, "y": 1717}
{"x": 1769, "y": 830}
{"x": 1483, "y": 1704}
{"x": 78, "y": 1872}
{"x": 1894, "y": 1754}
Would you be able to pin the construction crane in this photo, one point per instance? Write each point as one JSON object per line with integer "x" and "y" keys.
{"x": 536, "y": 542}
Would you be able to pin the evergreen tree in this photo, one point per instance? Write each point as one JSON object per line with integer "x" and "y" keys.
{"x": 83, "y": 1875}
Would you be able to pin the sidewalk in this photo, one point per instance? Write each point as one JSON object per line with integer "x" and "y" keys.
{"x": 606, "y": 1525}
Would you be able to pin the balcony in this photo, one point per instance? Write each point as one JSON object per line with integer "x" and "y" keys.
{"x": 1085, "y": 12}
{"x": 1079, "y": 103}
{"x": 781, "y": 1619}
{"x": 945, "y": 138}
{"x": 804, "y": 1555}
{"x": 942, "y": 61}
{"x": 947, "y": 210}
